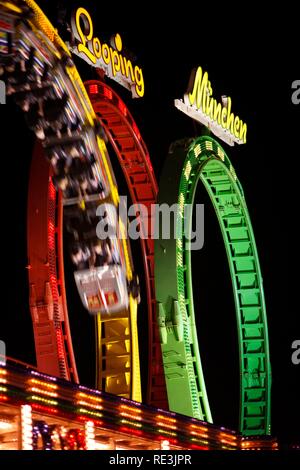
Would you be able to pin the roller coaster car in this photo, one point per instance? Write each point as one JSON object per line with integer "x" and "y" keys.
{"x": 103, "y": 290}
{"x": 105, "y": 287}
{"x": 45, "y": 53}
{"x": 85, "y": 145}
{"x": 44, "y": 81}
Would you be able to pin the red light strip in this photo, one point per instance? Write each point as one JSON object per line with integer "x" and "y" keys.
{"x": 107, "y": 93}
{"x": 94, "y": 89}
{"x": 122, "y": 108}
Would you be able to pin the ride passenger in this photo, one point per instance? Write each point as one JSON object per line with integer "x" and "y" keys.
{"x": 101, "y": 258}
{"x": 80, "y": 256}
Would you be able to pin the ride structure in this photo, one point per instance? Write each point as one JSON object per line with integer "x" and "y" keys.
{"x": 41, "y": 75}
{"x": 133, "y": 156}
{"x": 190, "y": 161}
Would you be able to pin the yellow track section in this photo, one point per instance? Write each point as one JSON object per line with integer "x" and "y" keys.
{"x": 118, "y": 371}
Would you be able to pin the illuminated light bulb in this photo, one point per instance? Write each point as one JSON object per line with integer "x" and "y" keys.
{"x": 179, "y": 243}
{"x": 47, "y": 409}
{"x": 208, "y": 145}
{"x": 181, "y": 204}
{"x": 199, "y": 428}
{"x": 39, "y": 374}
{"x": 26, "y": 427}
{"x": 91, "y": 413}
{"x": 169, "y": 433}
{"x": 90, "y": 435}
{"x": 127, "y": 415}
{"x": 165, "y": 445}
{"x": 123, "y": 108}
{"x": 51, "y": 227}
{"x": 133, "y": 411}
{"x": 44, "y": 400}
{"x": 94, "y": 90}
{"x": 83, "y": 387}
{"x": 52, "y": 191}
{"x": 43, "y": 392}
{"x": 221, "y": 154}
{"x": 169, "y": 426}
{"x": 197, "y": 150}
{"x": 166, "y": 418}
{"x": 41, "y": 383}
{"x": 107, "y": 93}
{"x": 84, "y": 403}
{"x": 136, "y": 131}
{"x": 126, "y": 421}
{"x": 90, "y": 398}
{"x": 135, "y": 432}
{"x": 187, "y": 170}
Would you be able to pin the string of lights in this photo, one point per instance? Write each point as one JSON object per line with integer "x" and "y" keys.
{"x": 86, "y": 412}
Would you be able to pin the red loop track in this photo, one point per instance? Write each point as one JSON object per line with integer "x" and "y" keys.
{"x": 134, "y": 159}
{"x": 53, "y": 343}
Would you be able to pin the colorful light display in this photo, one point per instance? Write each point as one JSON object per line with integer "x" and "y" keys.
{"x": 107, "y": 57}
{"x": 26, "y": 427}
{"x": 71, "y": 421}
{"x": 199, "y": 104}
{"x": 45, "y": 396}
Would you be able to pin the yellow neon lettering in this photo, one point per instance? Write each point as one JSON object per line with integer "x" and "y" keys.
{"x": 211, "y": 107}
{"x": 243, "y": 131}
{"x": 122, "y": 65}
{"x": 96, "y": 52}
{"x": 118, "y": 42}
{"x": 200, "y": 95}
{"x": 236, "y": 126}
{"x": 202, "y": 91}
{"x": 194, "y": 94}
{"x": 85, "y": 36}
{"x": 97, "y": 47}
{"x": 199, "y": 91}
{"x": 217, "y": 112}
{"x": 128, "y": 68}
{"x": 208, "y": 99}
{"x": 115, "y": 61}
{"x": 230, "y": 116}
{"x": 139, "y": 80}
{"x": 105, "y": 53}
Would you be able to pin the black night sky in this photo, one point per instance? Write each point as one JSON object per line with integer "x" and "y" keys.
{"x": 256, "y": 67}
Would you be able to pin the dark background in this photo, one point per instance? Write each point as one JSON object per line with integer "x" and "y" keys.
{"x": 251, "y": 60}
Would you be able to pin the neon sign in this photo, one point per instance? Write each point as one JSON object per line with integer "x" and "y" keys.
{"x": 107, "y": 57}
{"x": 199, "y": 104}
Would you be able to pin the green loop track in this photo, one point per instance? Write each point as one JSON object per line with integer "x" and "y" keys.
{"x": 188, "y": 162}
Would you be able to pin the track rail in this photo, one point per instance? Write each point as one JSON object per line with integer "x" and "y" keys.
{"x": 188, "y": 163}
{"x": 134, "y": 159}
{"x": 53, "y": 342}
